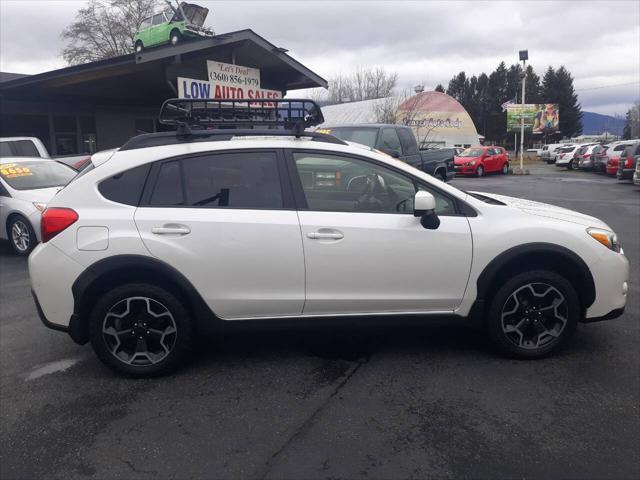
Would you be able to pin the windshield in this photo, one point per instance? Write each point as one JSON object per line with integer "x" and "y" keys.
{"x": 36, "y": 174}
{"x": 472, "y": 152}
{"x": 363, "y": 135}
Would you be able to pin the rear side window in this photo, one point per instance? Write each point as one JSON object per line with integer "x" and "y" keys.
{"x": 409, "y": 144}
{"x": 232, "y": 180}
{"x": 25, "y": 148}
{"x": 389, "y": 140}
{"x": 5, "y": 150}
{"x": 125, "y": 187}
{"x": 168, "y": 188}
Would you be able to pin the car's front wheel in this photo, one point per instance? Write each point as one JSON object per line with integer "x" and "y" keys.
{"x": 138, "y": 47}
{"x": 533, "y": 314}
{"x": 22, "y": 237}
{"x": 570, "y": 165}
{"x": 141, "y": 330}
{"x": 505, "y": 168}
{"x": 175, "y": 37}
{"x": 480, "y": 171}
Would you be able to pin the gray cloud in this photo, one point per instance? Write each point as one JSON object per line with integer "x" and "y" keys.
{"x": 428, "y": 42}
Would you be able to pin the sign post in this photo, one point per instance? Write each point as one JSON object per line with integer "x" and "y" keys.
{"x": 524, "y": 56}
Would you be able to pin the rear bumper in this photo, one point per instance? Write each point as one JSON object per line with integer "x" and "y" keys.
{"x": 609, "y": 316}
{"x": 74, "y": 329}
{"x": 626, "y": 174}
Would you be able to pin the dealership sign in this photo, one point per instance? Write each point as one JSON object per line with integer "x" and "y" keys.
{"x": 226, "y": 81}
{"x": 538, "y": 117}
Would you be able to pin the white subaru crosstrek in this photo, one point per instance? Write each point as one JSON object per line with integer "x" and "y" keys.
{"x": 174, "y": 234}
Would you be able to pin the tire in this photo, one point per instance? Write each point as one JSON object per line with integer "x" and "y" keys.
{"x": 513, "y": 320}
{"x": 138, "y": 47}
{"x": 570, "y": 165}
{"x": 141, "y": 310}
{"x": 440, "y": 175}
{"x": 22, "y": 237}
{"x": 175, "y": 38}
{"x": 480, "y": 171}
{"x": 505, "y": 169}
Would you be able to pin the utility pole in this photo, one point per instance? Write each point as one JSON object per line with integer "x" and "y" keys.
{"x": 524, "y": 56}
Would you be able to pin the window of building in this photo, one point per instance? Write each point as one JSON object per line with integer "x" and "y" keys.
{"x": 65, "y": 134}
{"x": 88, "y": 132}
{"x": 144, "y": 125}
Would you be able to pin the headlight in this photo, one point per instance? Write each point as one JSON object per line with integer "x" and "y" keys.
{"x": 470, "y": 164}
{"x": 605, "y": 237}
{"x": 40, "y": 206}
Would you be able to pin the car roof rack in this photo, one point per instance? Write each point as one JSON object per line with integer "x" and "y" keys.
{"x": 202, "y": 120}
{"x": 292, "y": 114}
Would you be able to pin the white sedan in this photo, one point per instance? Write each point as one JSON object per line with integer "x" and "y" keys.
{"x": 27, "y": 184}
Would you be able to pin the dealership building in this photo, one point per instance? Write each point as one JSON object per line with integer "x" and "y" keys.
{"x": 99, "y": 105}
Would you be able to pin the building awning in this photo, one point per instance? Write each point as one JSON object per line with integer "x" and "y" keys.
{"x": 148, "y": 78}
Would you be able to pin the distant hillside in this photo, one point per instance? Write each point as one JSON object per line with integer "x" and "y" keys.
{"x": 595, "y": 124}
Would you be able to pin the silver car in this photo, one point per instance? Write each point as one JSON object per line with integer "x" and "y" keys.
{"x": 26, "y": 185}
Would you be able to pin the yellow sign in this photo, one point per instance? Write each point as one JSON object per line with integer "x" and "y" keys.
{"x": 10, "y": 170}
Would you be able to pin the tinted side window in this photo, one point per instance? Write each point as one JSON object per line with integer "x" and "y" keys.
{"x": 125, "y": 187}
{"x": 389, "y": 139}
{"x": 236, "y": 180}
{"x": 168, "y": 188}
{"x": 25, "y": 148}
{"x": 409, "y": 144}
{"x": 5, "y": 150}
{"x": 3, "y": 191}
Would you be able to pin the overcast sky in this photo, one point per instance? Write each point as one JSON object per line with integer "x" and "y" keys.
{"x": 425, "y": 42}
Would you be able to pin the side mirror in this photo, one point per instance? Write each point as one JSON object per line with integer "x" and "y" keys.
{"x": 391, "y": 152}
{"x": 424, "y": 205}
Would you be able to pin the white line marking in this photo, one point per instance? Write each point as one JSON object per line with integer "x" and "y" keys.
{"x": 53, "y": 367}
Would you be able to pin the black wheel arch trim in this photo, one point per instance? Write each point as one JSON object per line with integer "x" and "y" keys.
{"x": 87, "y": 280}
{"x": 488, "y": 275}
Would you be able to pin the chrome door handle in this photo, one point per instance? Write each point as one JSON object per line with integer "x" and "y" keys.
{"x": 171, "y": 230}
{"x": 325, "y": 236}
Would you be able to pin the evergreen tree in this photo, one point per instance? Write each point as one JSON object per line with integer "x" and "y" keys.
{"x": 533, "y": 90}
{"x": 557, "y": 87}
{"x": 496, "y": 121}
{"x": 439, "y": 88}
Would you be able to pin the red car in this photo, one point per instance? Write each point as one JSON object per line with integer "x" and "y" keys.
{"x": 480, "y": 160}
{"x": 614, "y": 152}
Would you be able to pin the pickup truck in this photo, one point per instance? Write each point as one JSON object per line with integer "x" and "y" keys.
{"x": 399, "y": 142}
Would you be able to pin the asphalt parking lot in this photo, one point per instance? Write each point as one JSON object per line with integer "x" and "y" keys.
{"x": 419, "y": 402}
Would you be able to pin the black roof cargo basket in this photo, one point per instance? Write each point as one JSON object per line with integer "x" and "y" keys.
{"x": 290, "y": 114}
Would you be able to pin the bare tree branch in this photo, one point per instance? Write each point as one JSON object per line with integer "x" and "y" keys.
{"x": 100, "y": 31}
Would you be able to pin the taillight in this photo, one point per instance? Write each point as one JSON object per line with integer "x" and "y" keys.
{"x": 586, "y": 155}
{"x": 81, "y": 163}
{"x": 55, "y": 220}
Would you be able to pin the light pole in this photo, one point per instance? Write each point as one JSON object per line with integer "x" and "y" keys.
{"x": 524, "y": 56}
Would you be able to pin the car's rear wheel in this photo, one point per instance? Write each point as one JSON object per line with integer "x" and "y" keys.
{"x": 533, "y": 314}
{"x": 175, "y": 37}
{"x": 505, "y": 168}
{"x": 480, "y": 171}
{"x": 141, "y": 330}
{"x": 570, "y": 165}
{"x": 22, "y": 237}
{"x": 138, "y": 46}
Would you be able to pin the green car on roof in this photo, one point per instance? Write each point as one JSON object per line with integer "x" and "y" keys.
{"x": 172, "y": 26}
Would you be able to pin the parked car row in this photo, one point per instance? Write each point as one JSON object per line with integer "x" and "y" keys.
{"x": 618, "y": 158}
